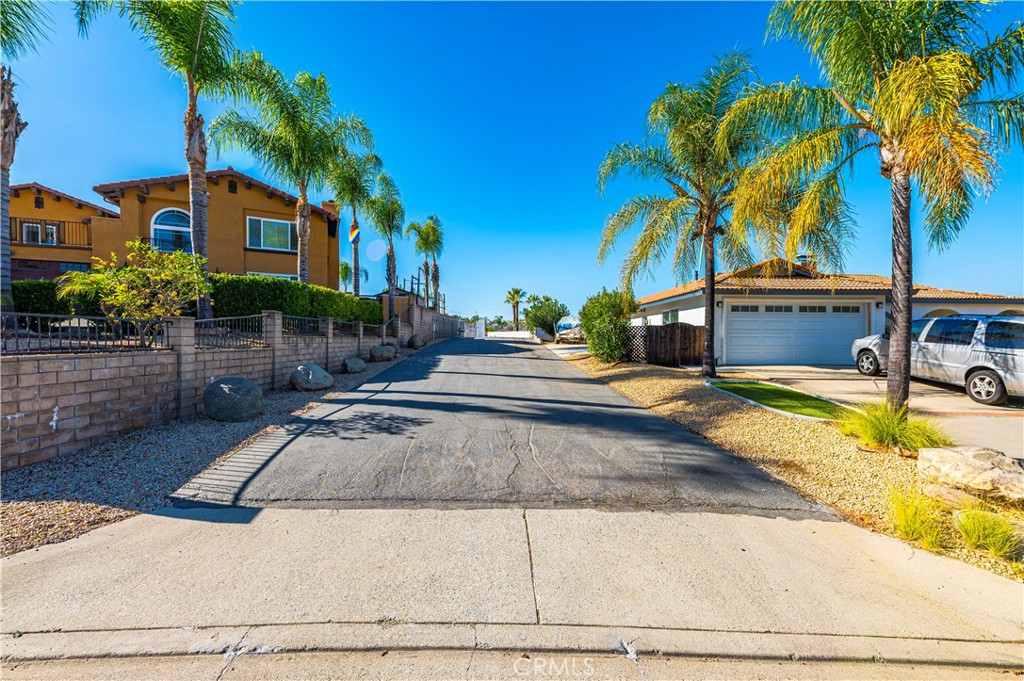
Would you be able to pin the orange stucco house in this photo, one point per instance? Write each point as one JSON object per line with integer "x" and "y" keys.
{"x": 251, "y": 226}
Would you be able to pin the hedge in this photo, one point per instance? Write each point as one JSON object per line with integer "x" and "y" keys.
{"x": 40, "y": 296}
{"x": 233, "y": 296}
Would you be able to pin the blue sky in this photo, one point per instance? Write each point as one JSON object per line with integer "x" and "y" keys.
{"x": 494, "y": 116}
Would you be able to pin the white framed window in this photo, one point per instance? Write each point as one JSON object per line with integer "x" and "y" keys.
{"x": 171, "y": 230}
{"x": 43, "y": 233}
{"x": 271, "y": 234}
{"x": 846, "y": 309}
{"x": 670, "y": 317}
{"x": 293, "y": 277}
{"x": 778, "y": 308}
{"x": 744, "y": 308}
{"x": 812, "y": 309}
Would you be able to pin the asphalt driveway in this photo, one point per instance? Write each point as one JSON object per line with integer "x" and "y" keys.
{"x": 486, "y": 422}
{"x": 969, "y": 423}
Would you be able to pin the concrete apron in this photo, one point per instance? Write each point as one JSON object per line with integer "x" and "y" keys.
{"x": 700, "y": 583}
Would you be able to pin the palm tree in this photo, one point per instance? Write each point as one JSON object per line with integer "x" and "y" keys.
{"x": 701, "y": 165}
{"x": 387, "y": 214}
{"x": 345, "y": 277}
{"x": 435, "y": 253}
{"x": 352, "y": 178}
{"x": 423, "y": 243}
{"x": 193, "y": 39}
{"x": 23, "y": 27}
{"x": 294, "y": 134}
{"x": 513, "y": 298}
{"x": 917, "y": 86}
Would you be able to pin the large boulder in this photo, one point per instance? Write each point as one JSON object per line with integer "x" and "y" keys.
{"x": 382, "y": 353}
{"x": 311, "y": 377}
{"x": 233, "y": 399}
{"x": 416, "y": 341}
{"x": 977, "y": 470}
{"x": 353, "y": 365}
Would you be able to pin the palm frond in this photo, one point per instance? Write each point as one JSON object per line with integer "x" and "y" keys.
{"x": 24, "y": 25}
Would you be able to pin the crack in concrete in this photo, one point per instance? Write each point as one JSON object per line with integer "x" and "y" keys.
{"x": 233, "y": 652}
{"x": 632, "y": 656}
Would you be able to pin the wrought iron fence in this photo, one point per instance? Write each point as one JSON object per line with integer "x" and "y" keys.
{"x": 31, "y": 333}
{"x": 301, "y": 326}
{"x": 39, "y": 232}
{"x": 373, "y": 329}
{"x": 231, "y": 332}
{"x": 345, "y": 328}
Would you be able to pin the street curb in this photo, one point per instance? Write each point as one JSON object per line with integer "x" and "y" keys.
{"x": 338, "y": 637}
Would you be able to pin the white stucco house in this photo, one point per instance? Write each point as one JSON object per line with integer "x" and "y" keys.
{"x": 777, "y": 312}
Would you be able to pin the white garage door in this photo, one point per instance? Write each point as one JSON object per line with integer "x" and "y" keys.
{"x": 788, "y": 333}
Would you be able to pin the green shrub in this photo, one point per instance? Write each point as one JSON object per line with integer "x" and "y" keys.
{"x": 544, "y": 315}
{"x": 242, "y": 295}
{"x": 915, "y": 516}
{"x": 985, "y": 530}
{"x": 605, "y": 322}
{"x": 40, "y": 296}
{"x": 878, "y": 426}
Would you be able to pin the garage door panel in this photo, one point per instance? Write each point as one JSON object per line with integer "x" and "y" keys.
{"x": 793, "y": 337}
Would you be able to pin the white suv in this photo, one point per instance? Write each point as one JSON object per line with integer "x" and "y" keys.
{"x": 983, "y": 354}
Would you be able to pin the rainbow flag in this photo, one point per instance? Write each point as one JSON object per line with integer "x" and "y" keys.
{"x": 353, "y": 233}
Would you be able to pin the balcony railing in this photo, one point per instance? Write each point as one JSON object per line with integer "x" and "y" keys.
{"x": 57, "y": 233}
{"x": 168, "y": 245}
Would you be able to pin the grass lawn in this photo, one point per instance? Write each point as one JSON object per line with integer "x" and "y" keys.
{"x": 783, "y": 399}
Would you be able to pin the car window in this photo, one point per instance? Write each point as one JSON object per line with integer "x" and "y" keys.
{"x": 1004, "y": 335}
{"x": 916, "y": 327}
{"x": 952, "y": 331}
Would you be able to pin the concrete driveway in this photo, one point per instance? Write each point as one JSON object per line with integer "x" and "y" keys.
{"x": 969, "y": 423}
{"x": 486, "y": 422}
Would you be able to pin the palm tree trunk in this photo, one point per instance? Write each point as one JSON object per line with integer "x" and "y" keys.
{"x": 392, "y": 276}
{"x": 898, "y": 381}
{"x": 195, "y": 157}
{"x": 426, "y": 282}
{"x": 436, "y": 276}
{"x": 708, "y": 368}
{"x": 355, "y": 255}
{"x": 11, "y": 127}
{"x": 302, "y": 213}
{"x": 7, "y": 291}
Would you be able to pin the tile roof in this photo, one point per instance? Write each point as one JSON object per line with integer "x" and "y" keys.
{"x": 769, "y": 276}
{"x": 109, "y": 190}
{"x": 104, "y": 212}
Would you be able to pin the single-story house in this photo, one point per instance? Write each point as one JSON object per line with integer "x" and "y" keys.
{"x": 777, "y": 312}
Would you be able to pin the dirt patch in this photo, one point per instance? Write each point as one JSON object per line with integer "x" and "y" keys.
{"x": 814, "y": 458}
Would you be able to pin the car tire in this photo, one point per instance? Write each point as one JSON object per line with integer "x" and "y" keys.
{"x": 986, "y": 387}
{"x": 867, "y": 363}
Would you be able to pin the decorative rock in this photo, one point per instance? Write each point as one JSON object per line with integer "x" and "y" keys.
{"x": 949, "y": 496}
{"x": 353, "y": 365}
{"x": 416, "y": 341}
{"x": 311, "y": 377}
{"x": 977, "y": 470}
{"x": 382, "y": 353}
{"x": 233, "y": 399}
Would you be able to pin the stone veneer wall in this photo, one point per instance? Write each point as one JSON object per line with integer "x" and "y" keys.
{"x": 56, "y": 404}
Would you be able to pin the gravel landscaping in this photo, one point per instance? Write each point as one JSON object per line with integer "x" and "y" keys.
{"x": 67, "y": 496}
{"x": 813, "y": 458}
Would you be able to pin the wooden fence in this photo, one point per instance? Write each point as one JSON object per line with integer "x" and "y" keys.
{"x": 674, "y": 345}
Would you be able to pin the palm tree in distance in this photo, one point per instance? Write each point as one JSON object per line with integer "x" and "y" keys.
{"x": 294, "y": 134}
{"x": 352, "y": 177}
{"x": 918, "y": 86}
{"x": 514, "y": 297}
{"x": 345, "y": 278}
{"x": 435, "y": 253}
{"x": 193, "y": 40}
{"x": 423, "y": 243}
{"x": 387, "y": 215}
{"x": 24, "y": 25}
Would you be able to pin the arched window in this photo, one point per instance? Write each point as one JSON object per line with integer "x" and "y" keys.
{"x": 171, "y": 231}
{"x": 1011, "y": 313}
{"x": 941, "y": 312}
